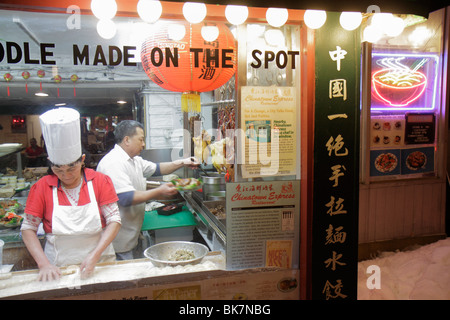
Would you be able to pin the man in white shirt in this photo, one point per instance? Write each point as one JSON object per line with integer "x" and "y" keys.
{"x": 129, "y": 172}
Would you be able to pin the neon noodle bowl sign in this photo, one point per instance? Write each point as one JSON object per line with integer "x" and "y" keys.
{"x": 401, "y": 80}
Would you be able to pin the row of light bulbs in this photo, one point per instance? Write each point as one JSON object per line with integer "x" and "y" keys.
{"x": 150, "y": 11}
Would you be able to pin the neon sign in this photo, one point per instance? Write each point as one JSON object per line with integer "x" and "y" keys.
{"x": 404, "y": 81}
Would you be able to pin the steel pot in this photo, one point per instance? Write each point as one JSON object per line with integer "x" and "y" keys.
{"x": 213, "y": 182}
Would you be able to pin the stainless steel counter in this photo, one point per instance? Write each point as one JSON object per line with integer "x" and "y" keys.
{"x": 212, "y": 229}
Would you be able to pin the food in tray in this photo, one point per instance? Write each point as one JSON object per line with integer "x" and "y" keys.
{"x": 169, "y": 209}
{"x": 416, "y": 160}
{"x": 182, "y": 255}
{"x": 386, "y": 162}
{"x": 187, "y": 184}
{"x": 10, "y": 220}
{"x": 10, "y": 205}
{"x": 218, "y": 211}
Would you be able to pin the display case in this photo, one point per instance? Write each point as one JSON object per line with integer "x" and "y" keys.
{"x": 404, "y": 109}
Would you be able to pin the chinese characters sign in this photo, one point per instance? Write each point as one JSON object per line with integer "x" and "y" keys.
{"x": 336, "y": 156}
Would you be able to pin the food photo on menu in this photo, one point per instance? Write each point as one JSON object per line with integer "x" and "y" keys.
{"x": 387, "y": 132}
{"x": 401, "y": 161}
{"x": 418, "y": 160}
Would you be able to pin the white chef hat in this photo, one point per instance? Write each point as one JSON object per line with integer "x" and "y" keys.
{"x": 61, "y": 131}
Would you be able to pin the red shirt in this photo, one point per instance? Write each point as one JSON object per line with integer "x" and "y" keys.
{"x": 40, "y": 198}
{"x": 34, "y": 152}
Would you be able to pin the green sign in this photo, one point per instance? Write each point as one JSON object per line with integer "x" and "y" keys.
{"x": 336, "y": 162}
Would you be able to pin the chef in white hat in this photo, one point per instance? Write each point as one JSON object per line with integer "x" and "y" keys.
{"x": 76, "y": 205}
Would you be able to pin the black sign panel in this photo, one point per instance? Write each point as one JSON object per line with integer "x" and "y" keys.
{"x": 336, "y": 162}
{"x": 420, "y": 128}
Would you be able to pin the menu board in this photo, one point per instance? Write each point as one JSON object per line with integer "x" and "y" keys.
{"x": 402, "y": 145}
{"x": 420, "y": 128}
{"x": 263, "y": 224}
{"x": 407, "y": 161}
{"x": 269, "y": 124}
{"x": 386, "y": 132}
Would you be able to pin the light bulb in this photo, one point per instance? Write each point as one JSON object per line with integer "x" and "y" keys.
{"x": 397, "y": 25}
{"x": 104, "y": 9}
{"x": 276, "y": 17}
{"x": 236, "y": 14}
{"x": 149, "y": 10}
{"x": 274, "y": 37}
{"x": 176, "y": 31}
{"x": 106, "y": 29}
{"x": 210, "y": 33}
{"x": 372, "y": 34}
{"x": 194, "y": 12}
{"x": 382, "y": 21}
{"x": 314, "y": 19}
{"x": 350, "y": 20}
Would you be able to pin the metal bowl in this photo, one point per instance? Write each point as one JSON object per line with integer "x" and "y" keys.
{"x": 160, "y": 254}
{"x": 215, "y": 196}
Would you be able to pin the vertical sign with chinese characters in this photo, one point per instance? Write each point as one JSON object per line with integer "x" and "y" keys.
{"x": 336, "y": 162}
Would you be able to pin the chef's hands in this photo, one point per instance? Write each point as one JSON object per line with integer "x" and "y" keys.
{"x": 191, "y": 163}
{"x": 87, "y": 266}
{"x": 49, "y": 272}
{"x": 167, "y": 189}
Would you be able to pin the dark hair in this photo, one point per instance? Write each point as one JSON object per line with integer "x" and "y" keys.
{"x": 126, "y": 128}
{"x": 50, "y": 165}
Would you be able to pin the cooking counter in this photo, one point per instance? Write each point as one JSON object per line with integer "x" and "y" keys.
{"x": 24, "y": 284}
{"x": 212, "y": 229}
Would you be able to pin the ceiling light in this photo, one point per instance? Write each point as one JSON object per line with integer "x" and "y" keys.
{"x": 255, "y": 31}
{"x": 274, "y": 37}
{"x": 149, "y": 10}
{"x": 210, "y": 33}
{"x": 350, "y": 20}
{"x": 60, "y": 104}
{"x": 397, "y": 25}
{"x": 236, "y": 14}
{"x": 276, "y": 17}
{"x": 121, "y": 102}
{"x": 419, "y": 36}
{"x": 194, "y": 12}
{"x": 382, "y": 21}
{"x": 176, "y": 31}
{"x": 104, "y": 9}
{"x": 41, "y": 94}
{"x": 106, "y": 29}
{"x": 314, "y": 19}
{"x": 372, "y": 34}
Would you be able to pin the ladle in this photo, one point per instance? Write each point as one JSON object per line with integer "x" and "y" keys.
{"x": 200, "y": 167}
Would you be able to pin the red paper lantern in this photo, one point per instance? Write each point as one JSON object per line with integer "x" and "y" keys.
{"x": 74, "y": 79}
{"x": 57, "y": 79}
{"x": 8, "y": 77}
{"x": 190, "y": 65}
{"x": 26, "y": 75}
{"x": 40, "y": 74}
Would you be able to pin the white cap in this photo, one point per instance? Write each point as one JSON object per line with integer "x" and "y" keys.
{"x": 61, "y": 131}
